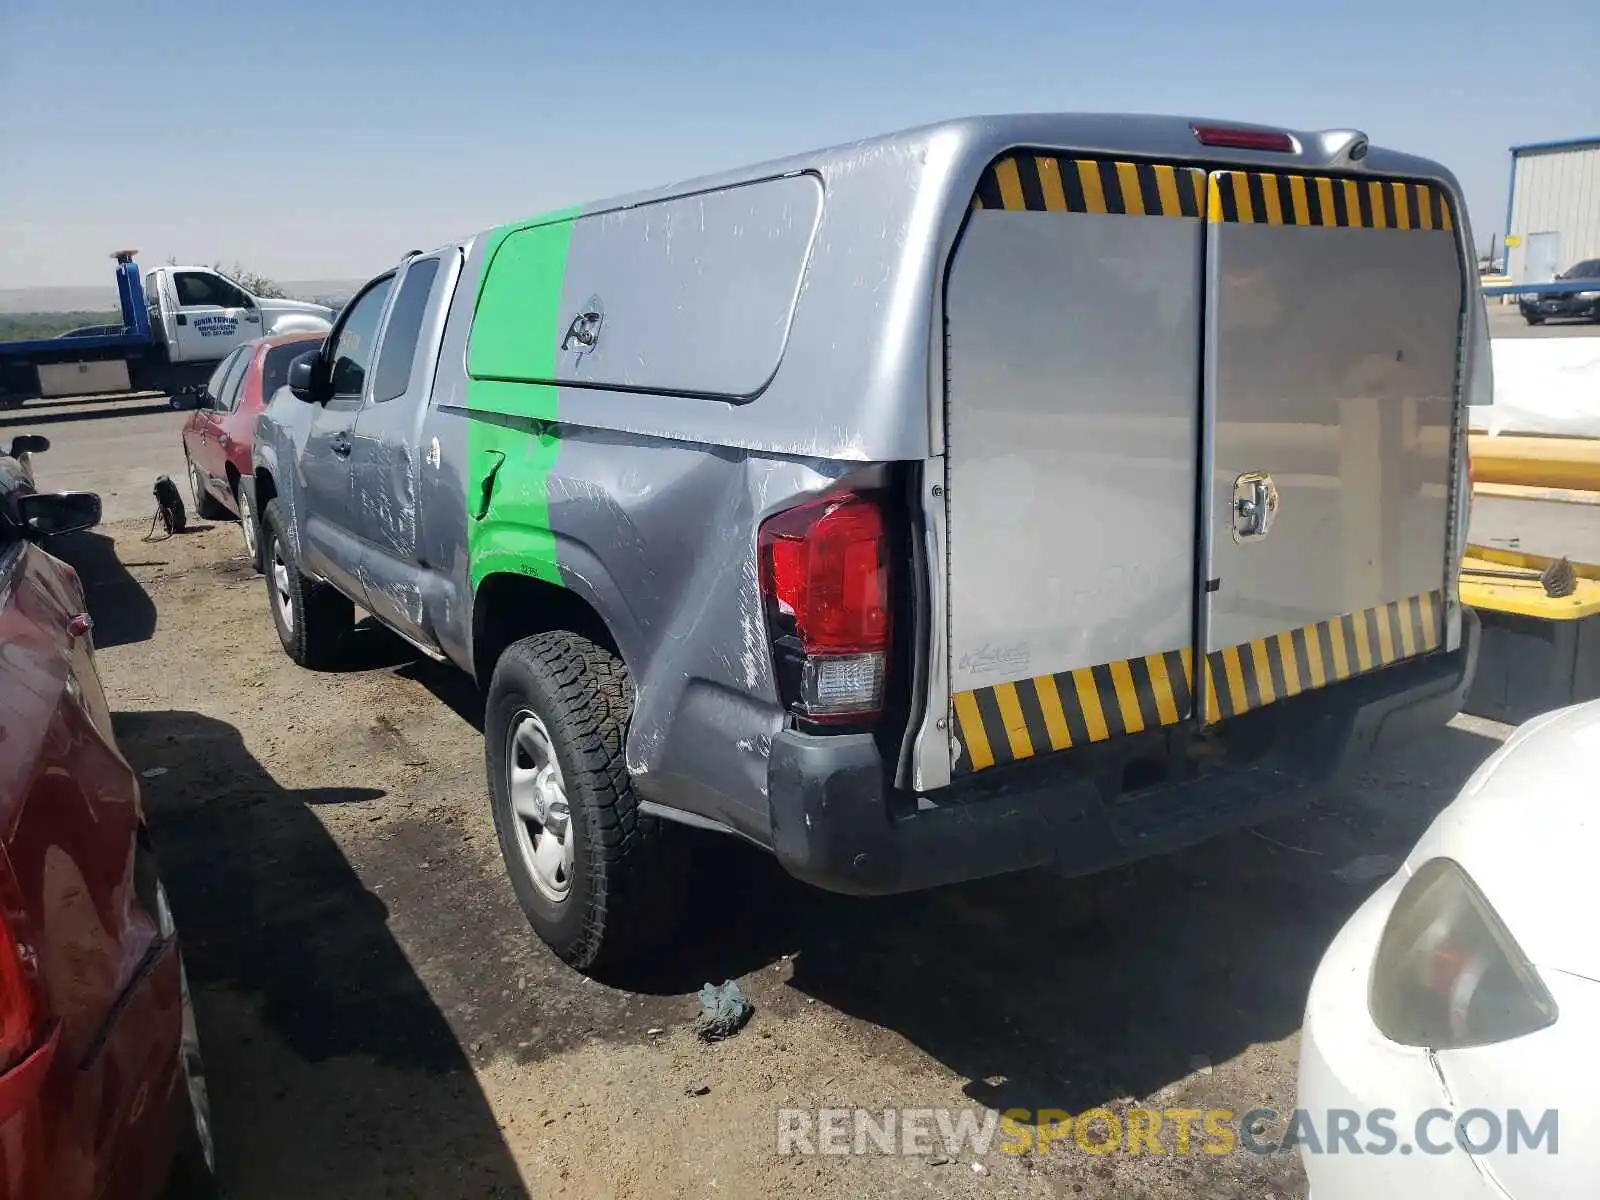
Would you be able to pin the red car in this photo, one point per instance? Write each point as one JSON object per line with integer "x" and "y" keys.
{"x": 217, "y": 436}
{"x": 102, "y": 1095}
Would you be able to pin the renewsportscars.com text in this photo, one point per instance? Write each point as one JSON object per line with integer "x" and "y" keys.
{"x": 1216, "y": 1131}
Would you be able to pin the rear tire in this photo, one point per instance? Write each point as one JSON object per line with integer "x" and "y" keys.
{"x": 206, "y": 506}
{"x": 312, "y": 617}
{"x": 249, "y": 524}
{"x": 1534, "y": 320}
{"x": 625, "y": 875}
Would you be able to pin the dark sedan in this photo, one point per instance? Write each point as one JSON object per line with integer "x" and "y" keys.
{"x": 1539, "y": 307}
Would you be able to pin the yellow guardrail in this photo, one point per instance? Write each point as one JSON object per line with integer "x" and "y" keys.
{"x": 1550, "y": 462}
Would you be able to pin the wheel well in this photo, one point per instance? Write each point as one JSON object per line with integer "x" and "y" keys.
{"x": 232, "y": 472}
{"x": 266, "y": 490}
{"x": 507, "y": 608}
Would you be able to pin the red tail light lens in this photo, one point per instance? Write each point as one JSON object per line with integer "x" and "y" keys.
{"x": 19, "y": 1006}
{"x": 1231, "y": 138}
{"x": 825, "y": 580}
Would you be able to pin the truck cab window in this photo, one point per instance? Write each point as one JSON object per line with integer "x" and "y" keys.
{"x": 351, "y": 350}
{"x": 405, "y": 327}
{"x": 197, "y": 288}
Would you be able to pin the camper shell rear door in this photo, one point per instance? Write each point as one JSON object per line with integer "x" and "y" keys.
{"x": 1195, "y": 418}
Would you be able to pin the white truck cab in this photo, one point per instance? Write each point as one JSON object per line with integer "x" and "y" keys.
{"x": 201, "y": 314}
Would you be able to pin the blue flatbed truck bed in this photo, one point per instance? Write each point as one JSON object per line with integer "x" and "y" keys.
{"x": 134, "y": 342}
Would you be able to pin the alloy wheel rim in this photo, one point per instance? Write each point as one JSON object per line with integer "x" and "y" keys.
{"x": 189, "y": 1060}
{"x": 539, "y": 802}
{"x": 247, "y": 525}
{"x": 194, "y": 1074}
{"x": 280, "y": 586}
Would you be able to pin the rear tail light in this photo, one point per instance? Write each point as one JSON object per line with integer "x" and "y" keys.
{"x": 825, "y": 583}
{"x": 19, "y": 1002}
{"x": 1231, "y": 138}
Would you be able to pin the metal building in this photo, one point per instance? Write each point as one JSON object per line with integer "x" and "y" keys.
{"x": 1553, "y": 209}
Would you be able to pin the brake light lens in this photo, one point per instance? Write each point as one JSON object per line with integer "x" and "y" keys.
{"x": 1231, "y": 138}
{"x": 19, "y": 1005}
{"x": 825, "y": 583}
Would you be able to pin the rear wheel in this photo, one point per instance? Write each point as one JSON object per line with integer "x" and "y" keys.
{"x": 312, "y": 617}
{"x": 194, "y": 1171}
{"x": 249, "y": 524}
{"x": 206, "y": 506}
{"x": 600, "y": 882}
{"x": 1534, "y": 320}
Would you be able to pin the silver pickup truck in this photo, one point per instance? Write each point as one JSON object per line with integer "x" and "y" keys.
{"x": 1027, "y": 491}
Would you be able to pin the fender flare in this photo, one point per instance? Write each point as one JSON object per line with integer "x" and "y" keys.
{"x": 581, "y": 573}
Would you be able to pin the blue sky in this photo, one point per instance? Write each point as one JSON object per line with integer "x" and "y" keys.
{"x": 322, "y": 140}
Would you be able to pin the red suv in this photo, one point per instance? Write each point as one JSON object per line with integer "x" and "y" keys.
{"x": 217, "y": 437}
{"x": 102, "y": 1093}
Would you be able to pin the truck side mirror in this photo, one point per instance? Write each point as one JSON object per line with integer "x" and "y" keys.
{"x": 306, "y": 381}
{"x": 29, "y": 443}
{"x": 45, "y": 514}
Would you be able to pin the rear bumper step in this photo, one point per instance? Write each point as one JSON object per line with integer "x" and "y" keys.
{"x": 831, "y": 811}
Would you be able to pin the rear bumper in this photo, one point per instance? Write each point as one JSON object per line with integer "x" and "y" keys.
{"x": 834, "y": 821}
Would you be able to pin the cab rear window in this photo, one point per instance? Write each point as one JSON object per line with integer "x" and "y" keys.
{"x": 275, "y": 371}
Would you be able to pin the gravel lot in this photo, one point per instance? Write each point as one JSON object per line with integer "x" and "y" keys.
{"x": 379, "y": 1020}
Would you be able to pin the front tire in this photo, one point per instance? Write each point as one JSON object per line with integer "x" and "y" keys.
{"x": 194, "y": 1169}
{"x": 206, "y": 506}
{"x": 601, "y": 883}
{"x": 1534, "y": 320}
{"x": 312, "y": 617}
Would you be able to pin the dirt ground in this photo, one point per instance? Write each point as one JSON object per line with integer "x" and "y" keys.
{"x": 379, "y": 1020}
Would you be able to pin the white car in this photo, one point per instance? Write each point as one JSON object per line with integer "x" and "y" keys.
{"x": 1453, "y": 1028}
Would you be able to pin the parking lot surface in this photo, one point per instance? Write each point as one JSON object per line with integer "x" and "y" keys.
{"x": 114, "y": 445}
{"x": 378, "y": 1019}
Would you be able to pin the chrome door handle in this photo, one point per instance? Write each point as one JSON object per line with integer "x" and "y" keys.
{"x": 1255, "y": 506}
{"x": 584, "y": 330}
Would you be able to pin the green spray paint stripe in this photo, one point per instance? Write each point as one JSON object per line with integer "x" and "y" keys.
{"x": 514, "y": 332}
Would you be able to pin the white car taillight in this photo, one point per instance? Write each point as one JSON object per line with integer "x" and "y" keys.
{"x": 1448, "y": 974}
{"x": 825, "y": 582}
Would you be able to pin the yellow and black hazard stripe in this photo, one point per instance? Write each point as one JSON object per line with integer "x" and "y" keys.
{"x": 1034, "y": 182}
{"x": 1255, "y": 674}
{"x": 1265, "y": 198}
{"x": 1008, "y": 722}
